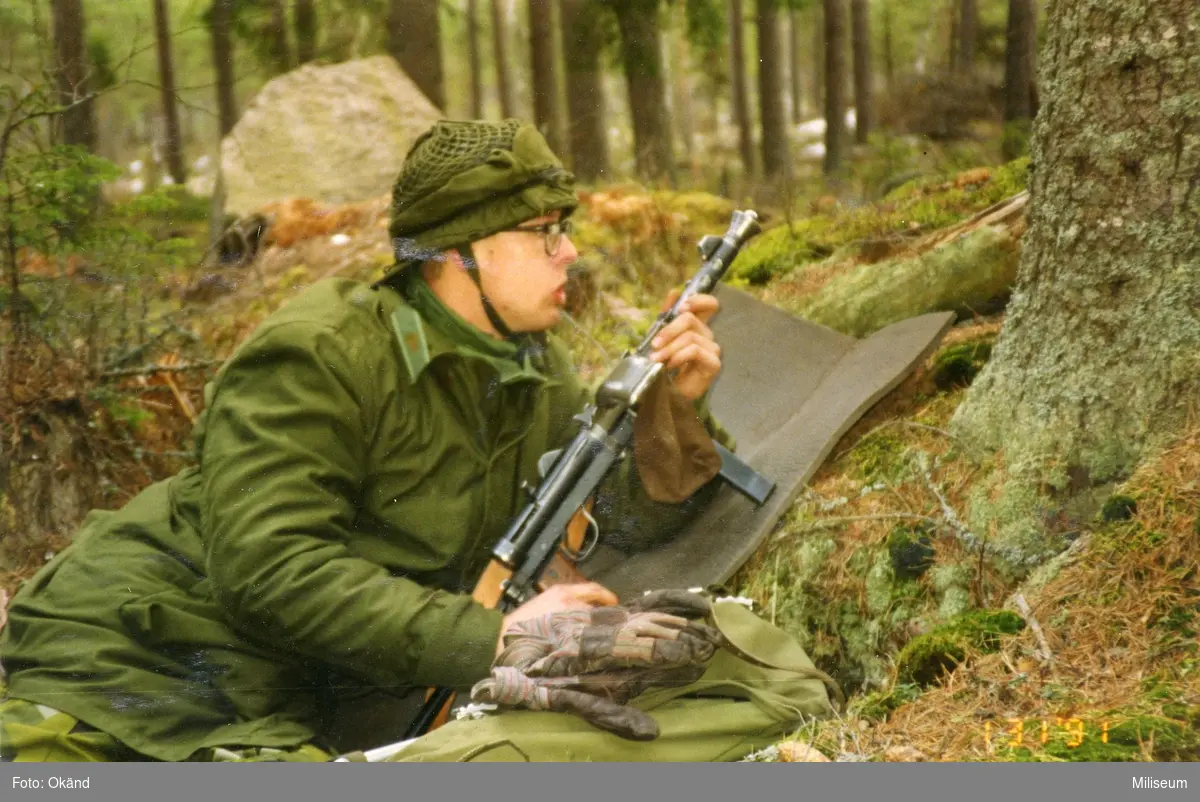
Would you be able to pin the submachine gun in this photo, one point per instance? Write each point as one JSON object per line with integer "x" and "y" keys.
{"x": 557, "y": 513}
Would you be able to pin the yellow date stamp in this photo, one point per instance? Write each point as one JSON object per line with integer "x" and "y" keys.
{"x": 1016, "y": 732}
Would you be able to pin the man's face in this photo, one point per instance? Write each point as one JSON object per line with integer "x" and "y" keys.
{"x": 524, "y": 284}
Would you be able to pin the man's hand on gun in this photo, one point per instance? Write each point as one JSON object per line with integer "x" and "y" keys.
{"x": 686, "y": 345}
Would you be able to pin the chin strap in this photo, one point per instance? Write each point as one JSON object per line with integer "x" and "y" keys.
{"x": 472, "y": 266}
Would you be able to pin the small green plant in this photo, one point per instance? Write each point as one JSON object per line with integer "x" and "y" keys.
{"x": 881, "y": 456}
{"x": 957, "y": 366}
{"x": 911, "y": 550}
{"x": 927, "y": 658}
{"x": 1118, "y": 507}
{"x": 878, "y": 705}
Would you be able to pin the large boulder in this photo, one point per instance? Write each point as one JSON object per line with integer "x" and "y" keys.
{"x": 337, "y": 134}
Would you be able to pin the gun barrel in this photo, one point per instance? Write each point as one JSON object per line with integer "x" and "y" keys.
{"x": 742, "y": 226}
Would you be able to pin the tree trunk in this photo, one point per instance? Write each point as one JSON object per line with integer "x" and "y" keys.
{"x": 306, "y": 31}
{"x": 585, "y": 94}
{"x": 681, "y": 85}
{"x": 818, "y": 56}
{"x": 220, "y": 21}
{"x": 500, "y": 46}
{"x": 1097, "y": 359}
{"x": 776, "y": 163}
{"x": 739, "y": 86}
{"x": 474, "y": 59}
{"x": 166, "y": 79}
{"x": 861, "y": 24}
{"x": 968, "y": 32}
{"x": 642, "y": 59}
{"x": 544, "y": 73}
{"x": 796, "y": 45}
{"x": 277, "y": 38}
{"x": 952, "y": 35}
{"x": 70, "y": 50}
{"x": 835, "y": 84}
{"x": 1019, "y": 75}
{"x": 889, "y": 53}
{"x": 415, "y": 41}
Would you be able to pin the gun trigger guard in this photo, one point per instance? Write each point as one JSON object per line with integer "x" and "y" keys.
{"x": 590, "y": 540}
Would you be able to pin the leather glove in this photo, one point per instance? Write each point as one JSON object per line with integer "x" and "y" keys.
{"x": 591, "y": 662}
{"x": 509, "y": 687}
{"x": 664, "y": 629}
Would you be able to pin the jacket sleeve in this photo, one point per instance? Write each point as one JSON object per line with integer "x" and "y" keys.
{"x": 283, "y": 461}
{"x": 629, "y": 519}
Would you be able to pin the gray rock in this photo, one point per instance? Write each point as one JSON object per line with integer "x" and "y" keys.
{"x": 337, "y": 134}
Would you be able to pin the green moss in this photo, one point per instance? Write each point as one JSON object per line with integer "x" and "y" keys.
{"x": 928, "y": 657}
{"x": 1011, "y": 511}
{"x": 878, "y": 585}
{"x": 918, "y": 206}
{"x": 972, "y": 274}
{"x": 956, "y": 366}
{"x": 879, "y": 705}
{"x": 983, "y": 628}
{"x": 1180, "y": 620}
{"x": 911, "y": 550}
{"x": 778, "y": 250}
{"x": 881, "y": 456}
{"x": 1118, "y": 507}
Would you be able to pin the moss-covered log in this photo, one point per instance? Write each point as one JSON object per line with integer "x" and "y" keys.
{"x": 1100, "y": 353}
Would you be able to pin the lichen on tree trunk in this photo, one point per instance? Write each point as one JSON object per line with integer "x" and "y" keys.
{"x": 1100, "y": 352}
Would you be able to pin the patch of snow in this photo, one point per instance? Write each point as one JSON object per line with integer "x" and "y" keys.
{"x": 813, "y": 152}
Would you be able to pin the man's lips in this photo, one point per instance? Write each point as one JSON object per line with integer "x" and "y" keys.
{"x": 560, "y": 295}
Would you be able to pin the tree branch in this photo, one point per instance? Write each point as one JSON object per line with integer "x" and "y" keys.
{"x": 833, "y": 523}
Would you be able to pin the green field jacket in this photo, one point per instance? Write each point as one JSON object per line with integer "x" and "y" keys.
{"x": 359, "y": 455}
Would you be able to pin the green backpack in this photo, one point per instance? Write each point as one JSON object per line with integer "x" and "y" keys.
{"x": 754, "y": 692}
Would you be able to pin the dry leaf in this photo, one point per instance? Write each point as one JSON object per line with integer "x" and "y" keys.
{"x": 796, "y": 752}
{"x": 904, "y": 754}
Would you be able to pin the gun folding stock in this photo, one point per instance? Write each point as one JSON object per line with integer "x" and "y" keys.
{"x": 742, "y": 478}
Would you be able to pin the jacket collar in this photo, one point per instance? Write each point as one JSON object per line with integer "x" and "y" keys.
{"x": 427, "y": 329}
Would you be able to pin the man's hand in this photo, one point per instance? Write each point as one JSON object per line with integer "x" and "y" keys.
{"x": 558, "y": 598}
{"x": 686, "y": 345}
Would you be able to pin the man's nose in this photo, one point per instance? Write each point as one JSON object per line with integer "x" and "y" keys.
{"x": 567, "y": 252}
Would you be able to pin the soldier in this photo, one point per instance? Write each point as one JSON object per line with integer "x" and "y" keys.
{"x": 359, "y": 455}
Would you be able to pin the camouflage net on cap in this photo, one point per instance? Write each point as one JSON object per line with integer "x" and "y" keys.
{"x": 446, "y": 150}
{"x": 465, "y": 180}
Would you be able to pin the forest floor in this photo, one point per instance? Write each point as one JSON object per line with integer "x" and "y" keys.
{"x": 876, "y": 570}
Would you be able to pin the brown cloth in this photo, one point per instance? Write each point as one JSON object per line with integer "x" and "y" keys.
{"x": 673, "y": 451}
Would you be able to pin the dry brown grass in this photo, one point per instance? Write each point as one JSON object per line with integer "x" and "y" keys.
{"x": 1102, "y": 617}
{"x": 298, "y": 219}
{"x": 71, "y": 444}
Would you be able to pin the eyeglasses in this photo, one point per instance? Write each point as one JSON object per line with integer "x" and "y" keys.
{"x": 552, "y": 233}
